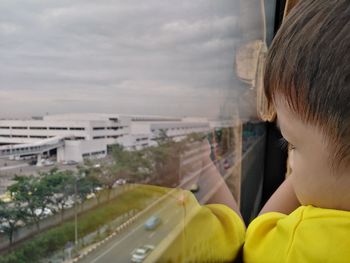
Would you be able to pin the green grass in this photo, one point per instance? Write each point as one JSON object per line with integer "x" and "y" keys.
{"x": 45, "y": 243}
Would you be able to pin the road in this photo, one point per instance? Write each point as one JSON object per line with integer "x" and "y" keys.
{"x": 119, "y": 248}
{"x": 172, "y": 213}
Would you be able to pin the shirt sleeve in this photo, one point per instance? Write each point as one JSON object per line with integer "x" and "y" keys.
{"x": 214, "y": 233}
{"x": 265, "y": 241}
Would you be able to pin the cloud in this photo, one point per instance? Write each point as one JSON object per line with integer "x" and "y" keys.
{"x": 112, "y": 55}
{"x": 8, "y": 28}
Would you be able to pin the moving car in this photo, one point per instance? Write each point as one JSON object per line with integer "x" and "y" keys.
{"x": 139, "y": 254}
{"x": 152, "y": 223}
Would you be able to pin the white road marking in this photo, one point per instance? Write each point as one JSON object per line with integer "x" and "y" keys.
{"x": 152, "y": 234}
{"x": 117, "y": 243}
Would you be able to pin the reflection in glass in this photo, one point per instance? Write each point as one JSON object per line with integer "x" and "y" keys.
{"x": 115, "y": 118}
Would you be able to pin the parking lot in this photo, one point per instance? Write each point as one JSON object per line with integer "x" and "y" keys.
{"x": 10, "y": 168}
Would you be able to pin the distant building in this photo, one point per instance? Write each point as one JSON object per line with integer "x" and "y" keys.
{"x": 146, "y": 129}
{"x": 79, "y": 136}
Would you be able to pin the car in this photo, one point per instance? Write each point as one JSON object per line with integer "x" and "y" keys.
{"x": 48, "y": 162}
{"x": 152, "y": 223}
{"x": 120, "y": 181}
{"x": 91, "y": 195}
{"x": 45, "y": 162}
{"x": 139, "y": 254}
{"x": 68, "y": 204}
{"x": 98, "y": 188}
{"x": 70, "y": 162}
{"x": 43, "y": 213}
{"x": 32, "y": 162}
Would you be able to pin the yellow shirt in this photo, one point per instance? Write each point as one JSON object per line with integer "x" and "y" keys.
{"x": 210, "y": 233}
{"x": 309, "y": 234}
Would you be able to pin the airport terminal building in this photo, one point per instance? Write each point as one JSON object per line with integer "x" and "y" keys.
{"x": 78, "y": 136}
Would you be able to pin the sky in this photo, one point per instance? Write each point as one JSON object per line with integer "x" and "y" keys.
{"x": 157, "y": 57}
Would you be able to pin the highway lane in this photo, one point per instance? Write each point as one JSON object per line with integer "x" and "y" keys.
{"x": 119, "y": 248}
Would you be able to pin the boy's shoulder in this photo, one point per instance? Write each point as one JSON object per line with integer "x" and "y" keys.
{"x": 309, "y": 234}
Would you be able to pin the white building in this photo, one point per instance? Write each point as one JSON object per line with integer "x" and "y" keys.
{"x": 145, "y": 129}
{"x": 84, "y": 135}
{"x": 78, "y": 136}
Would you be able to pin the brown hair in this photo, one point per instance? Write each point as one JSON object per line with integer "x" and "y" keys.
{"x": 308, "y": 65}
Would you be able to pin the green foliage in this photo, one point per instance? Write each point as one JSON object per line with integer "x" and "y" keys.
{"x": 33, "y": 193}
{"x": 84, "y": 187}
{"x": 44, "y": 244}
{"x": 61, "y": 185}
{"x": 50, "y": 190}
{"x": 11, "y": 215}
{"x": 158, "y": 164}
{"x": 166, "y": 159}
{"x": 124, "y": 164}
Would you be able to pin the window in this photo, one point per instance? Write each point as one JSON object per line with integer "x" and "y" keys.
{"x": 98, "y": 137}
{"x": 75, "y": 138}
{"x": 113, "y": 128}
{"x": 76, "y": 128}
{"x": 19, "y": 136}
{"x": 113, "y": 136}
{"x": 172, "y": 87}
{"x": 58, "y": 128}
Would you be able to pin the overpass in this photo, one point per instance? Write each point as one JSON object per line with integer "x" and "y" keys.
{"x": 35, "y": 148}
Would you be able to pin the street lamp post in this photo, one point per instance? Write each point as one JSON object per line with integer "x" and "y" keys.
{"x": 75, "y": 212}
{"x": 75, "y": 207}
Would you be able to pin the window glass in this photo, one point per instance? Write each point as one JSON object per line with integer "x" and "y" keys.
{"x": 115, "y": 117}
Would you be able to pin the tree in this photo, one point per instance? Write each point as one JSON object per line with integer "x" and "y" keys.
{"x": 139, "y": 165}
{"x": 166, "y": 158}
{"x": 123, "y": 165}
{"x": 11, "y": 216}
{"x": 33, "y": 194}
{"x": 61, "y": 184}
{"x": 84, "y": 187}
{"x": 106, "y": 175}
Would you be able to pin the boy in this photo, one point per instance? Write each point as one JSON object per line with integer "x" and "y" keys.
{"x": 307, "y": 79}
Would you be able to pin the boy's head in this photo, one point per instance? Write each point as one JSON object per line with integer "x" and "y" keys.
{"x": 307, "y": 78}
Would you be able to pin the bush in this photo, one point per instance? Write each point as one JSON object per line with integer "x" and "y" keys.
{"x": 44, "y": 244}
